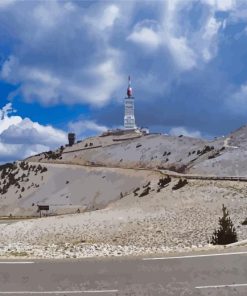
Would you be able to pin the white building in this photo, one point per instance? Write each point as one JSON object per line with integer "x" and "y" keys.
{"x": 129, "y": 112}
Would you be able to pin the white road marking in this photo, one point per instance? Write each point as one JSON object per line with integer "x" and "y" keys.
{"x": 196, "y": 256}
{"x": 56, "y": 292}
{"x": 221, "y": 286}
{"x": 16, "y": 262}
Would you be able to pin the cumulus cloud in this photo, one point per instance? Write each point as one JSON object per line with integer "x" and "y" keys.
{"x": 146, "y": 33}
{"x": 237, "y": 101}
{"x": 189, "y": 46}
{"x": 209, "y": 37}
{"x": 222, "y": 5}
{"x": 177, "y": 131}
{"x": 80, "y": 52}
{"x": 104, "y": 19}
{"x": 21, "y": 137}
{"x": 64, "y": 54}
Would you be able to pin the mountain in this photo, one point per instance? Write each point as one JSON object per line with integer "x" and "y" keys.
{"x": 100, "y": 170}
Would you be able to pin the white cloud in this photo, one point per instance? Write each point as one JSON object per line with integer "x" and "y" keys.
{"x": 237, "y": 102}
{"x": 104, "y": 18}
{"x": 50, "y": 89}
{"x": 147, "y": 34}
{"x": 222, "y": 5}
{"x": 191, "y": 47}
{"x": 209, "y": 37}
{"x": 188, "y": 47}
{"x": 84, "y": 128}
{"x": 109, "y": 16}
{"x": 6, "y": 3}
{"x": 21, "y": 137}
{"x": 109, "y": 79}
{"x": 184, "y": 56}
{"x": 8, "y": 66}
{"x": 177, "y": 131}
{"x": 64, "y": 54}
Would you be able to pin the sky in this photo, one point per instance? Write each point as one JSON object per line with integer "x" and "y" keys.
{"x": 64, "y": 66}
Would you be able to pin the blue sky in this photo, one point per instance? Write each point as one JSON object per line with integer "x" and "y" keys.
{"x": 64, "y": 66}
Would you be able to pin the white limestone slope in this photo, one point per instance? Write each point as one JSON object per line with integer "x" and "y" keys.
{"x": 222, "y": 157}
{"x": 111, "y": 170}
{"x": 159, "y": 222}
{"x": 70, "y": 188}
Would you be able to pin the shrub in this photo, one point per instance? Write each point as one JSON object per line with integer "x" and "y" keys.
{"x": 44, "y": 169}
{"x": 206, "y": 149}
{"x": 135, "y": 191}
{"x": 181, "y": 183}
{"x": 244, "y": 222}
{"x": 145, "y": 192}
{"x": 164, "y": 181}
{"x": 226, "y": 233}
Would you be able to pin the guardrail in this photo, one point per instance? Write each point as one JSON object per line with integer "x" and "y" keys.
{"x": 201, "y": 177}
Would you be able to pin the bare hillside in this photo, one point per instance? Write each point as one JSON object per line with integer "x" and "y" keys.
{"x": 160, "y": 221}
{"x": 98, "y": 170}
{"x": 65, "y": 188}
{"x": 125, "y": 195}
{"x": 222, "y": 157}
{"x": 150, "y": 151}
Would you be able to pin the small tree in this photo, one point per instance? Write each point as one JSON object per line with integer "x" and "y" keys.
{"x": 226, "y": 233}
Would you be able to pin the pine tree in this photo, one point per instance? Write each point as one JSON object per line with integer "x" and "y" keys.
{"x": 226, "y": 233}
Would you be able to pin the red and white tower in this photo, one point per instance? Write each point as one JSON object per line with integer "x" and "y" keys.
{"x": 129, "y": 114}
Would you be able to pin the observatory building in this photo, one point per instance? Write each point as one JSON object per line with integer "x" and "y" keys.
{"x": 129, "y": 109}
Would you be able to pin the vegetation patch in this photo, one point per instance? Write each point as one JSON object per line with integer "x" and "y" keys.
{"x": 181, "y": 183}
{"x": 226, "y": 233}
{"x": 10, "y": 176}
{"x": 135, "y": 191}
{"x": 244, "y": 222}
{"x": 145, "y": 191}
{"x": 163, "y": 182}
{"x": 206, "y": 149}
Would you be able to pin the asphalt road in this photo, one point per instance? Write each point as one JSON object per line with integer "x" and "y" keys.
{"x": 200, "y": 274}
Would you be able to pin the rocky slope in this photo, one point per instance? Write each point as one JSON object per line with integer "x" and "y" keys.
{"x": 98, "y": 170}
{"x": 150, "y": 151}
{"x": 164, "y": 220}
{"x": 121, "y": 200}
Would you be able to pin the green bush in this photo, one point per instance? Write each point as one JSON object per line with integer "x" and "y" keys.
{"x": 181, "y": 183}
{"x": 145, "y": 192}
{"x": 226, "y": 233}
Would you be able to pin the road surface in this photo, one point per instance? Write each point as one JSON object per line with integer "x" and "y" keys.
{"x": 191, "y": 274}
